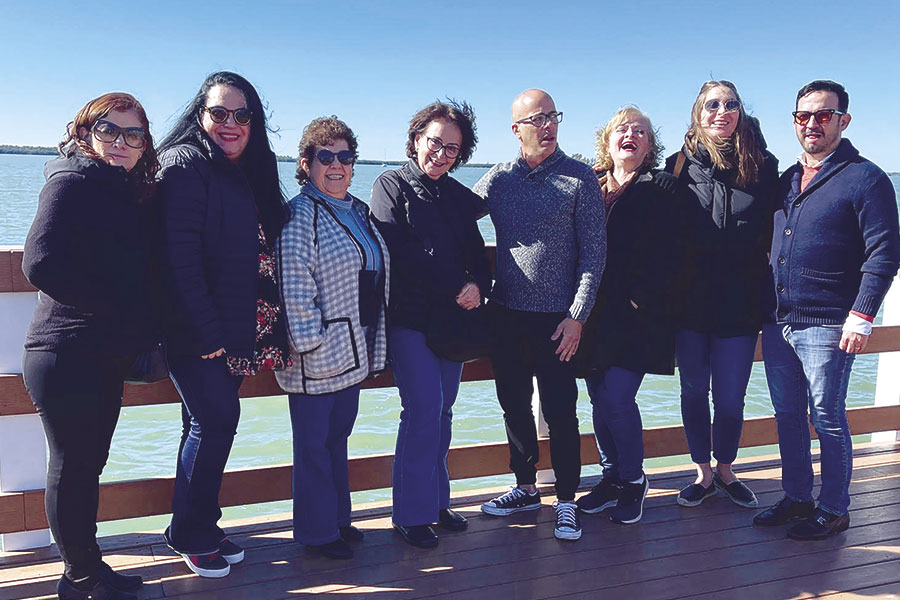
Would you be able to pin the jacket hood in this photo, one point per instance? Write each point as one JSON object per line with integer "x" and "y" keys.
{"x": 76, "y": 162}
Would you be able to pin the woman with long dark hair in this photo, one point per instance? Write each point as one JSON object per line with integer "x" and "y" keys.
{"x": 88, "y": 252}
{"x": 726, "y": 184}
{"x": 222, "y": 211}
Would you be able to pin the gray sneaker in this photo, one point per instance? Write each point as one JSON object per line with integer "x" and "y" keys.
{"x": 513, "y": 501}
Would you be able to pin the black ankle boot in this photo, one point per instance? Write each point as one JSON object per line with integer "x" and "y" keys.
{"x": 119, "y": 581}
{"x": 98, "y": 591}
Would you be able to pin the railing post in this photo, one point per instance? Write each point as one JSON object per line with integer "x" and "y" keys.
{"x": 543, "y": 475}
{"x": 23, "y": 450}
{"x": 887, "y": 383}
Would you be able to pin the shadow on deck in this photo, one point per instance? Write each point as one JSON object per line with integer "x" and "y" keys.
{"x": 706, "y": 552}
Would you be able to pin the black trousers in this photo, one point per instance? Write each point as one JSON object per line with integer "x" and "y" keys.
{"x": 523, "y": 350}
{"x": 78, "y": 396}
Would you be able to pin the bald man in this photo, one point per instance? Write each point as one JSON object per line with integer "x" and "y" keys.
{"x": 551, "y": 249}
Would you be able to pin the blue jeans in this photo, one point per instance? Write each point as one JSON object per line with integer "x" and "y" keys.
{"x": 807, "y": 371}
{"x": 428, "y": 385}
{"x": 210, "y": 412}
{"x": 726, "y": 361}
{"x": 617, "y": 423}
{"x": 321, "y": 425}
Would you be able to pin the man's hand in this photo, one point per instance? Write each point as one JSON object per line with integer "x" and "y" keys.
{"x": 853, "y": 343}
{"x": 570, "y": 331}
{"x": 215, "y": 354}
{"x": 469, "y": 296}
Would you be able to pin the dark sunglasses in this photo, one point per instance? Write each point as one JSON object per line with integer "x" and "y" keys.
{"x": 730, "y": 105}
{"x": 134, "y": 137}
{"x": 326, "y": 157}
{"x": 219, "y": 114}
{"x": 822, "y": 117}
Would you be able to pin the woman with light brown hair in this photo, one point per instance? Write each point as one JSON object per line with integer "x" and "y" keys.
{"x": 726, "y": 184}
{"x": 88, "y": 252}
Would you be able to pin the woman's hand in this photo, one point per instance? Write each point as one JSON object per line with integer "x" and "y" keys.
{"x": 570, "y": 331}
{"x": 215, "y": 354}
{"x": 469, "y": 296}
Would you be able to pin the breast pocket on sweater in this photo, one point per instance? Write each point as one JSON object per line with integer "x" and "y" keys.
{"x": 335, "y": 356}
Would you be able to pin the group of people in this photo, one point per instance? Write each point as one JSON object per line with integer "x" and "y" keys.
{"x": 606, "y": 273}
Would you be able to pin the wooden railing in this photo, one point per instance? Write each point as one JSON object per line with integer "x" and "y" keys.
{"x": 24, "y": 511}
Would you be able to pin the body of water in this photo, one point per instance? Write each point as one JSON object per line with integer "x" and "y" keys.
{"x": 147, "y": 438}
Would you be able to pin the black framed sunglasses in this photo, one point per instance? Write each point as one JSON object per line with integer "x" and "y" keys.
{"x": 219, "y": 114}
{"x": 326, "y": 157}
{"x": 134, "y": 137}
{"x": 730, "y": 105}
{"x": 822, "y": 117}
{"x": 541, "y": 119}
{"x": 435, "y": 145}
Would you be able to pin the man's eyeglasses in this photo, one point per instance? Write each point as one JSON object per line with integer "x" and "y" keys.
{"x": 730, "y": 105}
{"x": 822, "y": 117}
{"x": 134, "y": 137}
{"x": 219, "y": 114}
{"x": 435, "y": 145}
{"x": 326, "y": 157}
{"x": 541, "y": 119}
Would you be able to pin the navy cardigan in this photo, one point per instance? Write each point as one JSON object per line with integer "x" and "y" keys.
{"x": 836, "y": 244}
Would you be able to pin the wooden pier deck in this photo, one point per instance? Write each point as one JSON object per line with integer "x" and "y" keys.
{"x": 707, "y": 552}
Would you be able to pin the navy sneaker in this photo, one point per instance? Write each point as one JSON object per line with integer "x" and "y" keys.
{"x": 695, "y": 493}
{"x": 739, "y": 493}
{"x": 513, "y": 501}
{"x": 603, "y": 495}
{"x": 630, "y": 506}
{"x": 231, "y": 551}
{"x": 212, "y": 565}
{"x": 568, "y": 527}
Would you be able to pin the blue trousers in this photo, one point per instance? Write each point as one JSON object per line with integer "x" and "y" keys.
{"x": 210, "y": 412}
{"x": 617, "y": 423}
{"x": 808, "y": 374}
{"x": 428, "y": 386}
{"x": 321, "y": 425}
{"x": 726, "y": 361}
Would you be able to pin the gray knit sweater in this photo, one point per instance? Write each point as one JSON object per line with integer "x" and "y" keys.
{"x": 551, "y": 234}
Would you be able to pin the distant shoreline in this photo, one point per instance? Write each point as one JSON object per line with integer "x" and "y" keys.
{"x": 51, "y": 151}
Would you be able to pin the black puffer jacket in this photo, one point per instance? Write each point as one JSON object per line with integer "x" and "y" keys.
{"x": 433, "y": 239}
{"x": 88, "y": 251}
{"x": 726, "y": 232}
{"x": 209, "y": 243}
{"x": 642, "y": 257}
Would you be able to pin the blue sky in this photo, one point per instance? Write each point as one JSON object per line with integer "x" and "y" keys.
{"x": 375, "y": 63}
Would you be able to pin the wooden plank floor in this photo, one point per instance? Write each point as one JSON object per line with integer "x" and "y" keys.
{"x": 707, "y": 552}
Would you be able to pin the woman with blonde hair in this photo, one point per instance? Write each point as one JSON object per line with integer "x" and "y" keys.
{"x": 726, "y": 184}
{"x": 629, "y": 332}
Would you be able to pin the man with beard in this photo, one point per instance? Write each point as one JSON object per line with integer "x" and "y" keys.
{"x": 835, "y": 251}
{"x": 551, "y": 247}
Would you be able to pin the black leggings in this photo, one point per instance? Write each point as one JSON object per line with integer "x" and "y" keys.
{"x": 78, "y": 397}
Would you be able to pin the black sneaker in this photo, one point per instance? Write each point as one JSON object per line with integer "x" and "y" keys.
{"x": 568, "y": 527}
{"x": 211, "y": 565}
{"x": 630, "y": 506}
{"x": 513, "y": 501}
{"x": 603, "y": 495}
{"x": 819, "y": 525}
{"x": 231, "y": 551}
{"x": 783, "y": 512}
{"x": 739, "y": 493}
{"x": 695, "y": 493}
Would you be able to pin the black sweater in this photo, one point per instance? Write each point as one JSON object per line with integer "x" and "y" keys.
{"x": 433, "y": 239}
{"x": 209, "y": 244}
{"x": 726, "y": 231}
{"x": 88, "y": 252}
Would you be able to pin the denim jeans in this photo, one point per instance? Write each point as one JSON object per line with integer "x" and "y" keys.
{"x": 617, "y": 423}
{"x": 428, "y": 385}
{"x": 523, "y": 350}
{"x": 727, "y": 362}
{"x": 807, "y": 371}
{"x": 321, "y": 425}
{"x": 210, "y": 412}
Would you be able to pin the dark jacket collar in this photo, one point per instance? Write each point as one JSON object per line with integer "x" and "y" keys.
{"x": 431, "y": 184}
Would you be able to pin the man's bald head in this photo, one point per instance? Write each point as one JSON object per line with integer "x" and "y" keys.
{"x": 531, "y": 102}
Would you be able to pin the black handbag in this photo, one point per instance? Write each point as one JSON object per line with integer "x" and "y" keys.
{"x": 149, "y": 366}
{"x": 458, "y": 334}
